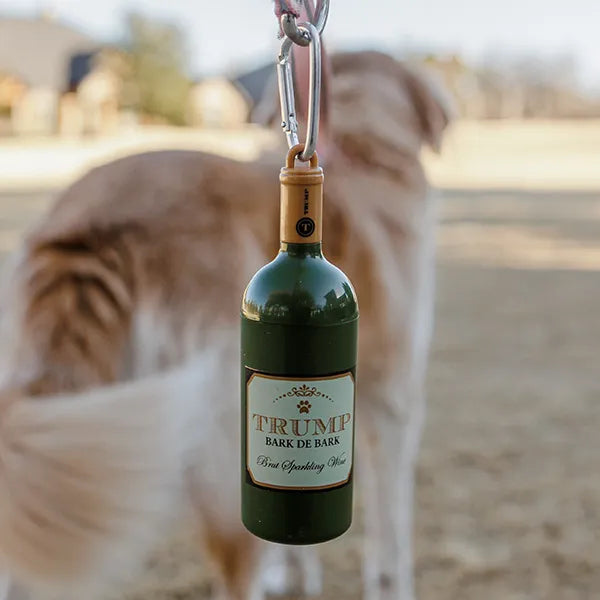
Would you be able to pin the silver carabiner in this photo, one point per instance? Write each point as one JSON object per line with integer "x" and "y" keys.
{"x": 286, "y": 91}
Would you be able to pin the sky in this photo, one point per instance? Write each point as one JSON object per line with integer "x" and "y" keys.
{"x": 233, "y": 34}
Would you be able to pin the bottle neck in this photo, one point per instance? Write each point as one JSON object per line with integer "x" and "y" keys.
{"x": 301, "y": 214}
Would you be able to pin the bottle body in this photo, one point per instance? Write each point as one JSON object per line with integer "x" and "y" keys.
{"x": 299, "y": 347}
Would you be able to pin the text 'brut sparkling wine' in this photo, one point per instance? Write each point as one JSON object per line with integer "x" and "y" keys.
{"x": 299, "y": 348}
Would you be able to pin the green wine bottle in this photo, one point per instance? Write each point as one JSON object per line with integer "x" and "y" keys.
{"x": 299, "y": 347}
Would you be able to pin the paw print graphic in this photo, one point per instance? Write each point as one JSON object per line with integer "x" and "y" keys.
{"x": 304, "y": 406}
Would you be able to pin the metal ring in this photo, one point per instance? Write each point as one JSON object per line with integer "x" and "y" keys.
{"x": 293, "y": 30}
{"x": 294, "y": 152}
{"x": 287, "y": 96}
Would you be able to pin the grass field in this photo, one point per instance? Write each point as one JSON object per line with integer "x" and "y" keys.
{"x": 508, "y": 490}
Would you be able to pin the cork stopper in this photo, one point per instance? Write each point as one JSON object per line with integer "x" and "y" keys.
{"x": 301, "y": 200}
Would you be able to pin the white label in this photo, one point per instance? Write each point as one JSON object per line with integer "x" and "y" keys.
{"x": 300, "y": 432}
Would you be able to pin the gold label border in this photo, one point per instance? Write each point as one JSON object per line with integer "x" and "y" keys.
{"x": 256, "y": 373}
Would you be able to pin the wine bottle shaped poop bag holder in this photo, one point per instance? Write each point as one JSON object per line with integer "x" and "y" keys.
{"x": 299, "y": 348}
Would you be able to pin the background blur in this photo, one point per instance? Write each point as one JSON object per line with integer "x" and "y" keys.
{"x": 508, "y": 488}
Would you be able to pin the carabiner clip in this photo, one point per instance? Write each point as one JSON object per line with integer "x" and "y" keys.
{"x": 287, "y": 96}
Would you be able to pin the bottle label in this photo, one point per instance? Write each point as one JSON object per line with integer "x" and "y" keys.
{"x": 299, "y": 431}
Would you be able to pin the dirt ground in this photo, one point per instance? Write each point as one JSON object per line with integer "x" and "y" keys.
{"x": 508, "y": 498}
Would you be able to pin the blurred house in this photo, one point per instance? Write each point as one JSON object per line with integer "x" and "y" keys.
{"x": 34, "y": 59}
{"x": 260, "y": 86}
{"x": 217, "y": 103}
{"x": 229, "y": 103}
{"x": 12, "y": 92}
{"x": 91, "y": 104}
{"x": 54, "y": 79}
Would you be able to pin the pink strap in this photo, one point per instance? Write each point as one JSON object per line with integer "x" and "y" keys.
{"x": 286, "y": 7}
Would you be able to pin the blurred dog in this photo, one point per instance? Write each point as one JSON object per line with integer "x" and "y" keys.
{"x": 120, "y": 337}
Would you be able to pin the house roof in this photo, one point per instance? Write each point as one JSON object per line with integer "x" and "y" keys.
{"x": 256, "y": 82}
{"x": 38, "y": 51}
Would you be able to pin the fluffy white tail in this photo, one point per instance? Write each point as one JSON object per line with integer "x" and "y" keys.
{"x": 86, "y": 480}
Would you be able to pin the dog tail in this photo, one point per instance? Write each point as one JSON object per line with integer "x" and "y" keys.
{"x": 86, "y": 480}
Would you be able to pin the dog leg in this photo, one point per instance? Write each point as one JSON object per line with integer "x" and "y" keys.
{"x": 236, "y": 564}
{"x": 389, "y": 443}
{"x": 10, "y": 591}
{"x": 291, "y": 571}
{"x": 4, "y": 586}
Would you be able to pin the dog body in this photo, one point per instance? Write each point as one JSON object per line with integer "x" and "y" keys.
{"x": 121, "y": 315}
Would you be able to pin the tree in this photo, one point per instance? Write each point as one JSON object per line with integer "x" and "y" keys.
{"x": 156, "y": 83}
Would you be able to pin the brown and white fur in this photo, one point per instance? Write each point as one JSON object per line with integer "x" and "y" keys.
{"x": 120, "y": 349}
